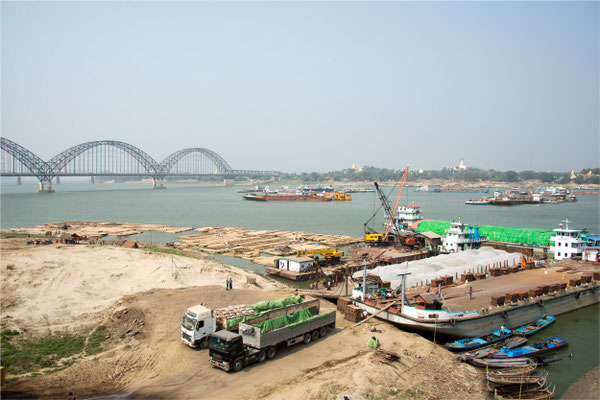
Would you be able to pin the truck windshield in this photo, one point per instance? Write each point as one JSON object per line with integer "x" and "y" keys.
{"x": 188, "y": 323}
{"x": 219, "y": 344}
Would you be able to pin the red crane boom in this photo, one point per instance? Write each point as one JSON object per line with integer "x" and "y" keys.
{"x": 396, "y": 204}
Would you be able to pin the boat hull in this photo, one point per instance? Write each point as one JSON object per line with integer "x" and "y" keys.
{"x": 509, "y": 316}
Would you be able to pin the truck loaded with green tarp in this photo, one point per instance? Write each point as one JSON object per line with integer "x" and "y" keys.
{"x": 540, "y": 237}
{"x": 263, "y": 307}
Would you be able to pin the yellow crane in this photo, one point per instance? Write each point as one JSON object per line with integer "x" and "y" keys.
{"x": 329, "y": 255}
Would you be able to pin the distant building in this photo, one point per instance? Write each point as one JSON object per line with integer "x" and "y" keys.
{"x": 460, "y": 167}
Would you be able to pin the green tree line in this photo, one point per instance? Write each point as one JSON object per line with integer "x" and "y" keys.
{"x": 474, "y": 175}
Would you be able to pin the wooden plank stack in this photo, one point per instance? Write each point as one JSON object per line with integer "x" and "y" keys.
{"x": 596, "y": 275}
{"x": 587, "y": 278}
{"x": 468, "y": 276}
{"x": 497, "y": 300}
{"x": 545, "y": 288}
{"x": 535, "y": 292}
{"x": 523, "y": 295}
{"x": 496, "y": 271}
{"x": 349, "y": 310}
{"x": 511, "y": 297}
{"x": 480, "y": 276}
{"x": 574, "y": 282}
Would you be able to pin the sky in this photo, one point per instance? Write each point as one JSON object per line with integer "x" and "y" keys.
{"x": 309, "y": 86}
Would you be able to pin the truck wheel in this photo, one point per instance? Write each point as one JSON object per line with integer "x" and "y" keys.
{"x": 261, "y": 356}
{"x": 204, "y": 343}
{"x": 314, "y": 335}
{"x": 307, "y": 338}
{"x": 238, "y": 364}
{"x": 271, "y": 353}
{"x": 322, "y": 331}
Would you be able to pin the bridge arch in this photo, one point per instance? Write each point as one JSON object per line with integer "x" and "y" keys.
{"x": 36, "y": 166}
{"x": 168, "y": 163}
{"x": 59, "y": 162}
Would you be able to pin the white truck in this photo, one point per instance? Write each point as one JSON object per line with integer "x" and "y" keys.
{"x": 199, "y": 322}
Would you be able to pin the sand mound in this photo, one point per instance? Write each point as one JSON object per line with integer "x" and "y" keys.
{"x": 59, "y": 288}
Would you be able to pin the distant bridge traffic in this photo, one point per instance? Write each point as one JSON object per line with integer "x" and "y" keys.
{"x": 114, "y": 158}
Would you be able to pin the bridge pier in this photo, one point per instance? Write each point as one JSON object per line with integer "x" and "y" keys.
{"x": 45, "y": 187}
{"x": 18, "y": 180}
{"x": 226, "y": 182}
{"x": 58, "y": 180}
{"x": 92, "y": 180}
{"x": 158, "y": 184}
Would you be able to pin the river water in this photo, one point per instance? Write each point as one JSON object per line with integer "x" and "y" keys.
{"x": 197, "y": 205}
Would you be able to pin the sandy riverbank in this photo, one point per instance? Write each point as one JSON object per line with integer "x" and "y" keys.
{"x": 138, "y": 297}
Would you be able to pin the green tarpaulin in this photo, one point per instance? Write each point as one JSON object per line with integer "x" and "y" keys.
{"x": 290, "y": 320}
{"x": 539, "y": 237}
{"x": 264, "y": 306}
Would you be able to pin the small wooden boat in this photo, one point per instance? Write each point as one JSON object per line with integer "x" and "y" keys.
{"x": 542, "y": 394}
{"x": 503, "y": 362}
{"x": 534, "y": 327}
{"x": 512, "y": 371}
{"x": 509, "y": 343}
{"x": 515, "y": 380}
{"x": 532, "y": 350}
{"x": 478, "y": 342}
{"x": 517, "y": 387}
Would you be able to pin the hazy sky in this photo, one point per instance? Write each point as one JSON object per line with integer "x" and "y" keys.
{"x": 309, "y": 86}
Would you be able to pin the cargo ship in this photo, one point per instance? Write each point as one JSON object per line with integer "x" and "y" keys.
{"x": 511, "y": 300}
{"x": 286, "y": 197}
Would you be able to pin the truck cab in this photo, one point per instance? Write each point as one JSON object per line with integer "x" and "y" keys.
{"x": 197, "y": 325}
{"x": 228, "y": 352}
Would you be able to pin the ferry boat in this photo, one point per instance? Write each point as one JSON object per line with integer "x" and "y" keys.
{"x": 461, "y": 237}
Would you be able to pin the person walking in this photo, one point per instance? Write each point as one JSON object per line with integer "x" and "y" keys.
{"x": 502, "y": 329}
{"x": 470, "y": 292}
{"x": 227, "y": 284}
{"x": 71, "y": 397}
{"x": 230, "y": 283}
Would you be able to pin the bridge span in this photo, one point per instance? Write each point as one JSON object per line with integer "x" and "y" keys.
{"x": 114, "y": 158}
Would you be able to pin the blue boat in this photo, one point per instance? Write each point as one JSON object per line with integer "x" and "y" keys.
{"x": 475, "y": 343}
{"x": 535, "y": 327}
{"x": 532, "y": 350}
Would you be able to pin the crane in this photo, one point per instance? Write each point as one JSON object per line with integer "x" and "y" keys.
{"x": 373, "y": 237}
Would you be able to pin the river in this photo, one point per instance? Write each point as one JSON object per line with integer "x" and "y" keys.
{"x": 197, "y": 205}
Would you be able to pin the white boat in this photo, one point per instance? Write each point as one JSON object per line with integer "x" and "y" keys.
{"x": 406, "y": 216}
{"x": 461, "y": 237}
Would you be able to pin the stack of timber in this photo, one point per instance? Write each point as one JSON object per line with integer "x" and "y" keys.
{"x": 350, "y": 311}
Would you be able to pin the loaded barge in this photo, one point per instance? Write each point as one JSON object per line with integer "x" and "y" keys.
{"x": 511, "y": 300}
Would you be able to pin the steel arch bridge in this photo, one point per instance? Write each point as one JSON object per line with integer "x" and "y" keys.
{"x": 114, "y": 158}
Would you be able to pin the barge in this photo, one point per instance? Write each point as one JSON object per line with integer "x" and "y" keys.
{"x": 452, "y": 314}
{"x": 286, "y": 197}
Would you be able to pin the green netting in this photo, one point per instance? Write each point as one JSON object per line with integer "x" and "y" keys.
{"x": 263, "y": 306}
{"x": 284, "y": 320}
{"x": 373, "y": 342}
{"x": 517, "y": 235}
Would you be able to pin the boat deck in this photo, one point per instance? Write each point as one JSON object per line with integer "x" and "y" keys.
{"x": 457, "y": 295}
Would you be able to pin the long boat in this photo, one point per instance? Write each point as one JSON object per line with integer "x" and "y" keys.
{"x": 475, "y": 343}
{"x": 542, "y": 394}
{"x": 512, "y": 342}
{"x": 532, "y": 350}
{"x": 535, "y": 327}
{"x": 521, "y": 362}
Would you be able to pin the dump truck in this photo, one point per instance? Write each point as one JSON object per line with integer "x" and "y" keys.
{"x": 199, "y": 322}
{"x": 232, "y": 351}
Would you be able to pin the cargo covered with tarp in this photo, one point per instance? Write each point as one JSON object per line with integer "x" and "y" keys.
{"x": 262, "y": 308}
{"x": 285, "y": 328}
{"x": 540, "y": 237}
